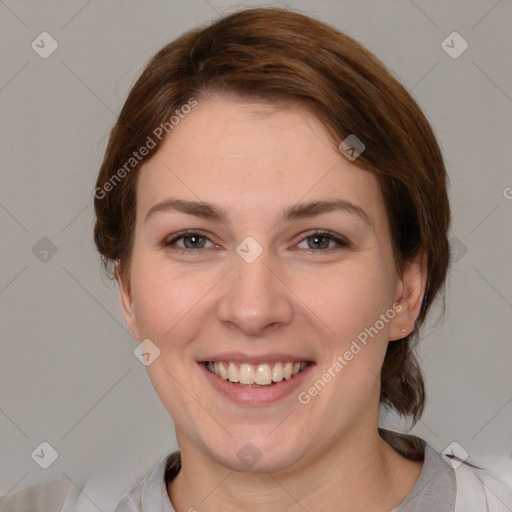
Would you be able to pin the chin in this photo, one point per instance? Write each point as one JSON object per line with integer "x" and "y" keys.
{"x": 260, "y": 452}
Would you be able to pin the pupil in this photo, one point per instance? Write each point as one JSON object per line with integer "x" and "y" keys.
{"x": 316, "y": 238}
{"x": 194, "y": 240}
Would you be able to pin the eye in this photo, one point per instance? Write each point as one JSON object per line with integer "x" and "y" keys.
{"x": 191, "y": 239}
{"x": 322, "y": 239}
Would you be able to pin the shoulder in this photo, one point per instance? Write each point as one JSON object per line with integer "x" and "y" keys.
{"x": 132, "y": 500}
{"x": 150, "y": 494}
{"x": 45, "y": 497}
{"x": 456, "y": 484}
{"x": 482, "y": 489}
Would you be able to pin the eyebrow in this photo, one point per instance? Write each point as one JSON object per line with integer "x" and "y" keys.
{"x": 298, "y": 211}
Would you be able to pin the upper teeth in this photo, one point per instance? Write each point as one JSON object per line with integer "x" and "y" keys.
{"x": 262, "y": 374}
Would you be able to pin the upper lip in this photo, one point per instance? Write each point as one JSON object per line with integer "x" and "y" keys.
{"x": 238, "y": 357}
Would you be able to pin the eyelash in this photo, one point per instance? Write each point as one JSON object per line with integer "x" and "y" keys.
{"x": 341, "y": 241}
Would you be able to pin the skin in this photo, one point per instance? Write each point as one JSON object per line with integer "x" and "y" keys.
{"x": 253, "y": 160}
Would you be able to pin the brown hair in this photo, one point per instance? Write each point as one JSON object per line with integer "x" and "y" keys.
{"x": 283, "y": 57}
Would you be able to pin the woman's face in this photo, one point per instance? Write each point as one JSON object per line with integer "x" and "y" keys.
{"x": 251, "y": 286}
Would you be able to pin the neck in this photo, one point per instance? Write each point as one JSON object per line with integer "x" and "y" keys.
{"x": 359, "y": 472}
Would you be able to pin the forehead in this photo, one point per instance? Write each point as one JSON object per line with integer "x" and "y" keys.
{"x": 251, "y": 157}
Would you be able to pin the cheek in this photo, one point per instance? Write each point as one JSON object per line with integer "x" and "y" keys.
{"x": 350, "y": 303}
{"x": 169, "y": 302}
{"x": 347, "y": 300}
{"x": 167, "y": 309}
{"x": 160, "y": 302}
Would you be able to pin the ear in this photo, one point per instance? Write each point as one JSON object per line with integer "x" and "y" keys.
{"x": 126, "y": 300}
{"x": 409, "y": 294}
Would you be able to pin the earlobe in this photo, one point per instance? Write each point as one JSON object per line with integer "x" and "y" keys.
{"x": 411, "y": 290}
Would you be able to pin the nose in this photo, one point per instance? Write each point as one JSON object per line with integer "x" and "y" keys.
{"x": 255, "y": 297}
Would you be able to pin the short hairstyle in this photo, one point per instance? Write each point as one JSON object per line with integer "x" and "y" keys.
{"x": 285, "y": 58}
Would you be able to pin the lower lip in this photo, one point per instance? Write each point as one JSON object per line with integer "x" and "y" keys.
{"x": 254, "y": 396}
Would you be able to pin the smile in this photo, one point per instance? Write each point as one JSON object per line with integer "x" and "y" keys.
{"x": 256, "y": 375}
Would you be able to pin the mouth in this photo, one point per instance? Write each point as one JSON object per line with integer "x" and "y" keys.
{"x": 261, "y": 375}
{"x": 256, "y": 379}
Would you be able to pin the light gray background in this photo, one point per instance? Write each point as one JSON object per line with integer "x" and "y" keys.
{"x": 68, "y": 375}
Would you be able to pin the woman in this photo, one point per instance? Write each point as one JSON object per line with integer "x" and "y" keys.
{"x": 273, "y": 205}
